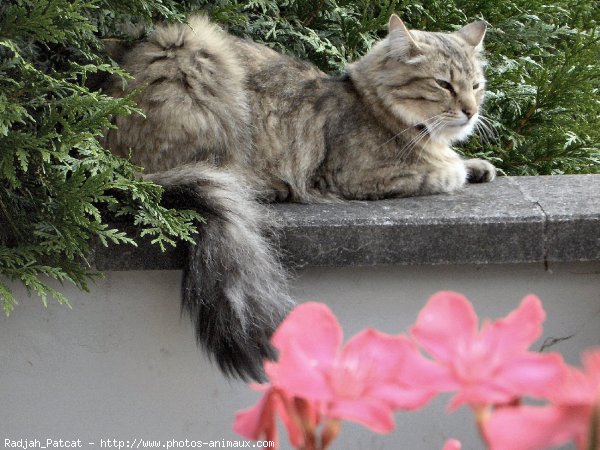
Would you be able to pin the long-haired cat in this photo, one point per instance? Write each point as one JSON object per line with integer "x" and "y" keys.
{"x": 230, "y": 124}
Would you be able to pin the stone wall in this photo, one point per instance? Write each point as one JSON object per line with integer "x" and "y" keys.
{"x": 122, "y": 362}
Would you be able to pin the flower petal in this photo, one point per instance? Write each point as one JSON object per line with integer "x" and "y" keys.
{"x": 420, "y": 372}
{"x": 398, "y": 396}
{"x": 518, "y": 330}
{"x": 591, "y": 363}
{"x": 534, "y": 374}
{"x": 452, "y": 444}
{"x": 259, "y": 420}
{"x": 373, "y": 414}
{"x": 480, "y": 394}
{"x": 384, "y": 366}
{"x": 314, "y": 330}
{"x": 298, "y": 374}
{"x": 533, "y": 428}
{"x": 289, "y": 415}
{"x": 308, "y": 341}
{"x": 383, "y": 353}
{"x": 446, "y": 324}
{"x": 576, "y": 389}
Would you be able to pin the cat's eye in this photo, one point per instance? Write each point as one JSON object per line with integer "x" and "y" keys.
{"x": 444, "y": 84}
{"x": 476, "y": 86}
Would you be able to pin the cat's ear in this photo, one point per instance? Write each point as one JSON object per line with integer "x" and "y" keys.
{"x": 474, "y": 33}
{"x": 402, "y": 44}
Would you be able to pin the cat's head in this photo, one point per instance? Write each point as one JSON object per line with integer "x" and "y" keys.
{"x": 425, "y": 79}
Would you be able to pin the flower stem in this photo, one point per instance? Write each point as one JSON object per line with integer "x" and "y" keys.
{"x": 330, "y": 432}
{"x": 482, "y": 414}
{"x": 594, "y": 439}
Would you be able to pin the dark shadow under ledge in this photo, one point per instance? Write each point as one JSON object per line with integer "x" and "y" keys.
{"x": 511, "y": 220}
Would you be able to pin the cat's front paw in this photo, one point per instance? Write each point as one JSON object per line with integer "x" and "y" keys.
{"x": 479, "y": 171}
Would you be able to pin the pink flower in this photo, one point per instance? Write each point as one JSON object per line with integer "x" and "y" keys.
{"x": 570, "y": 417}
{"x": 452, "y": 444}
{"x": 259, "y": 421}
{"x": 491, "y": 365}
{"x": 364, "y": 381}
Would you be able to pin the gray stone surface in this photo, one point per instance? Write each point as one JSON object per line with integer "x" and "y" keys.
{"x": 512, "y": 220}
{"x": 571, "y": 205}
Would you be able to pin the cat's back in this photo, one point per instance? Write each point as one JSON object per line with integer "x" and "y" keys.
{"x": 191, "y": 87}
{"x": 201, "y": 89}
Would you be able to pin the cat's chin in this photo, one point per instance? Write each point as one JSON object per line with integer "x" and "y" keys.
{"x": 452, "y": 134}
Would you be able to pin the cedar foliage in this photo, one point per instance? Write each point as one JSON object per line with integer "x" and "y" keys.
{"x": 59, "y": 189}
{"x": 57, "y": 185}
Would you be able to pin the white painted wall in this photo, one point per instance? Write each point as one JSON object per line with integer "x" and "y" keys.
{"x": 122, "y": 363}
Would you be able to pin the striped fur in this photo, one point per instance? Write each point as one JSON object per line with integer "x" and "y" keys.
{"x": 228, "y": 121}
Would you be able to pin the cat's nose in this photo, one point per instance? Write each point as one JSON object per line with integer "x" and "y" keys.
{"x": 468, "y": 112}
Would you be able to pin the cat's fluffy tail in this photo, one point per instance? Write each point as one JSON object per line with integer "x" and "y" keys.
{"x": 233, "y": 285}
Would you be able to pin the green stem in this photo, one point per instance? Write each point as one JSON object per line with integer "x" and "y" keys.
{"x": 16, "y": 231}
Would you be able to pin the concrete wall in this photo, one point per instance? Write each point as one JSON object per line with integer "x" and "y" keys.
{"x": 122, "y": 363}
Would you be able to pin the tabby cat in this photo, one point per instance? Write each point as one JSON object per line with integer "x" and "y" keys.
{"x": 230, "y": 124}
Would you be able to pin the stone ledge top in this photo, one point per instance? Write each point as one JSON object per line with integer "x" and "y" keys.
{"x": 511, "y": 220}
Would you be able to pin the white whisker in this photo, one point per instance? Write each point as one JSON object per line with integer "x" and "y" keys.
{"x": 486, "y": 129}
{"x": 424, "y": 133}
{"x": 437, "y": 125}
{"x": 424, "y": 122}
